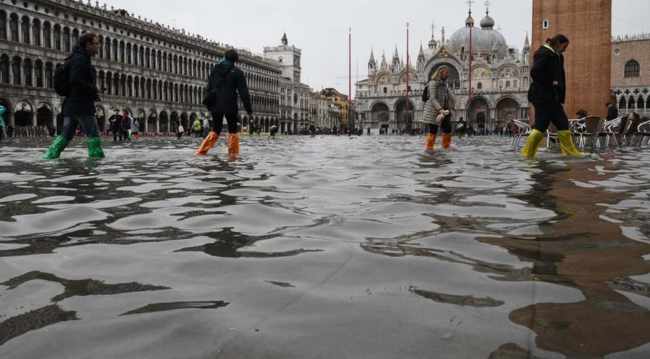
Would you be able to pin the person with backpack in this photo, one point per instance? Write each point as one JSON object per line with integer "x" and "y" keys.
{"x": 225, "y": 82}
{"x": 77, "y": 82}
{"x": 115, "y": 122}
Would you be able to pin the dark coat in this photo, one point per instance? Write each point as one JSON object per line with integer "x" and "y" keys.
{"x": 548, "y": 78}
{"x": 612, "y": 112}
{"x": 83, "y": 85}
{"x": 224, "y": 83}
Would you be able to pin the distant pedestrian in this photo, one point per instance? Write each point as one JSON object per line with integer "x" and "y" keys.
{"x": 3, "y": 130}
{"x": 77, "y": 82}
{"x": 114, "y": 125}
{"x": 136, "y": 128}
{"x": 125, "y": 127}
{"x": 179, "y": 131}
{"x": 225, "y": 83}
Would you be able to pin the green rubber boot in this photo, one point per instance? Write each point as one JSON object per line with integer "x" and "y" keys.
{"x": 55, "y": 149}
{"x": 95, "y": 151}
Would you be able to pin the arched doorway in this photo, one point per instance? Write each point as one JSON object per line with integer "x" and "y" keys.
{"x": 379, "y": 117}
{"x": 478, "y": 115}
{"x": 100, "y": 115}
{"x": 185, "y": 122}
{"x": 45, "y": 118}
{"x": 404, "y": 110}
{"x": 151, "y": 122}
{"x": 164, "y": 122}
{"x": 454, "y": 75}
{"x": 24, "y": 114}
{"x": 507, "y": 110}
{"x": 173, "y": 121}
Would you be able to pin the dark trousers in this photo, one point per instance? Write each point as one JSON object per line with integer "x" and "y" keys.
{"x": 88, "y": 125}
{"x": 231, "y": 118}
{"x": 547, "y": 113}
{"x": 445, "y": 126}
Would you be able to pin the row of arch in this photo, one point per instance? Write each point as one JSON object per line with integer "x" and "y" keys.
{"x": 24, "y": 114}
{"x": 35, "y": 73}
{"x": 42, "y": 33}
{"x": 632, "y": 103}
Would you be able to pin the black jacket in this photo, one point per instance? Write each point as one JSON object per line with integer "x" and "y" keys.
{"x": 83, "y": 85}
{"x": 224, "y": 83}
{"x": 612, "y": 112}
{"x": 548, "y": 78}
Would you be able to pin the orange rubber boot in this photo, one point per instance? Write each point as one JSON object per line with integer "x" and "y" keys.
{"x": 233, "y": 146}
{"x": 431, "y": 140}
{"x": 446, "y": 141}
{"x": 207, "y": 144}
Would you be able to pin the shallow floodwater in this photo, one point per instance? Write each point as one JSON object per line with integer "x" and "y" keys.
{"x": 325, "y": 247}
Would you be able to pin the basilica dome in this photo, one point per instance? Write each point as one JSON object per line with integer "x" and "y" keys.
{"x": 485, "y": 40}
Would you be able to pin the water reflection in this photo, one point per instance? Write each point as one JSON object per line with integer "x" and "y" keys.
{"x": 357, "y": 247}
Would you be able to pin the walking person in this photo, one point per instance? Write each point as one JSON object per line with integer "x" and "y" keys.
{"x": 225, "y": 83}
{"x": 438, "y": 105}
{"x": 180, "y": 131}
{"x": 547, "y": 93}
{"x": 115, "y": 122}
{"x": 77, "y": 81}
{"x": 3, "y": 130}
{"x": 125, "y": 127}
{"x": 136, "y": 128}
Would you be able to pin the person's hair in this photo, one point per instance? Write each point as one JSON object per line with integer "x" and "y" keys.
{"x": 232, "y": 55}
{"x": 438, "y": 72}
{"x": 557, "y": 40}
{"x": 87, "y": 38}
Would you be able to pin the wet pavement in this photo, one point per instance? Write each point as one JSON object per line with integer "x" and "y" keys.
{"x": 325, "y": 247}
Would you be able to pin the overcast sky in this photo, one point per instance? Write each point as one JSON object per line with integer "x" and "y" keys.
{"x": 320, "y": 28}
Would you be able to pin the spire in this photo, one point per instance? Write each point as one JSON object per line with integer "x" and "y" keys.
{"x": 527, "y": 42}
{"x": 444, "y": 40}
{"x": 384, "y": 64}
{"x": 470, "y": 20}
{"x": 433, "y": 43}
{"x": 396, "y": 55}
{"x": 285, "y": 41}
{"x": 372, "y": 58}
{"x": 421, "y": 54}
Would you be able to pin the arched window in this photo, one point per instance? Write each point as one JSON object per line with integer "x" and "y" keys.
{"x": 164, "y": 66}
{"x": 136, "y": 86}
{"x": 115, "y": 50}
{"x": 13, "y": 27}
{"x": 135, "y": 55}
{"x": 101, "y": 81}
{"x": 49, "y": 75}
{"x": 75, "y": 37}
{"x": 129, "y": 53}
{"x": 66, "y": 40}
{"x": 36, "y": 31}
{"x": 129, "y": 86}
{"x": 47, "y": 35}
{"x": 479, "y": 86}
{"x": 57, "y": 37}
{"x": 640, "y": 103}
{"x": 4, "y": 69}
{"x": 147, "y": 58}
{"x": 107, "y": 48}
{"x": 632, "y": 69}
{"x": 631, "y": 103}
{"x": 123, "y": 85}
{"x": 153, "y": 59}
{"x": 27, "y": 71}
{"x": 160, "y": 90}
{"x": 109, "y": 83}
{"x": 142, "y": 63}
{"x": 38, "y": 69}
{"x": 25, "y": 27}
{"x": 122, "y": 52}
{"x": 116, "y": 84}
{"x": 15, "y": 69}
{"x": 3, "y": 25}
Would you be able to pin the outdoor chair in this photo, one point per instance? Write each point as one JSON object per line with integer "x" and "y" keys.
{"x": 522, "y": 130}
{"x": 643, "y": 131}
{"x": 593, "y": 131}
{"x": 611, "y": 129}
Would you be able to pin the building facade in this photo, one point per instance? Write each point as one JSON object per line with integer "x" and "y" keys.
{"x": 499, "y": 82}
{"x": 588, "y": 24}
{"x": 631, "y": 73}
{"x": 156, "y": 73}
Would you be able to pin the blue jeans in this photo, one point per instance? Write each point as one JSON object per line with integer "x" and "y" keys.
{"x": 88, "y": 125}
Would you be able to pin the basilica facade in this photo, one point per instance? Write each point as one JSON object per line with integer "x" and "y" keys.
{"x": 156, "y": 73}
{"x": 499, "y": 82}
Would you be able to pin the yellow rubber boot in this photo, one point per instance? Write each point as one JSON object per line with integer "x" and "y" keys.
{"x": 233, "y": 146}
{"x": 207, "y": 144}
{"x": 567, "y": 146}
{"x": 430, "y": 141}
{"x": 446, "y": 141}
{"x": 534, "y": 140}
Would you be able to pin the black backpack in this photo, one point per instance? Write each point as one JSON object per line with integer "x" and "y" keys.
{"x": 62, "y": 80}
